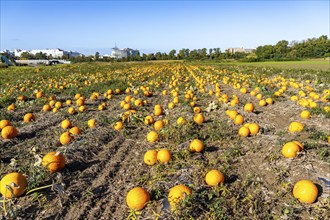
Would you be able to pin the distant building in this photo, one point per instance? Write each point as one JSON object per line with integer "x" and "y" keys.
{"x": 239, "y": 50}
{"x": 54, "y": 53}
{"x": 124, "y": 53}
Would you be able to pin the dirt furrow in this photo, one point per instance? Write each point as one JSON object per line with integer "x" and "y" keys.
{"x": 111, "y": 157}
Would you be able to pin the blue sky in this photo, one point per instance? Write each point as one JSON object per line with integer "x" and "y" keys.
{"x": 150, "y": 26}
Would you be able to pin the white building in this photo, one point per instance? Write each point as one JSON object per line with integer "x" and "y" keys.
{"x": 55, "y": 53}
{"x": 18, "y": 52}
{"x": 124, "y": 53}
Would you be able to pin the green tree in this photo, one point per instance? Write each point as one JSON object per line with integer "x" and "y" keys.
{"x": 281, "y": 49}
{"x": 183, "y": 53}
{"x": 172, "y": 54}
{"x": 40, "y": 56}
{"x": 97, "y": 56}
{"x": 210, "y": 54}
{"x": 203, "y": 53}
{"x": 158, "y": 56}
{"x": 26, "y": 55}
{"x": 217, "y": 53}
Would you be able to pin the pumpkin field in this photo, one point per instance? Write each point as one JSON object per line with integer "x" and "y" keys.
{"x": 164, "y": 140}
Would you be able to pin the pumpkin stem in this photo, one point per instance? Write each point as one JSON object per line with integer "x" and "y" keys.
{"x": 42, "y": 187}
{"x": 14, "y": 185}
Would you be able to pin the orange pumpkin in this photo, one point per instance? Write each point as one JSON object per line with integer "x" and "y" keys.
{"x": 65, "y": 124}
{"x": 9, "y": 132}
{"x": 177, "y": 194}
{"x": 118, "y": 125}
{"x": 137, "y": 198}
{"x": 4, "y": 123}
{"x": 91, "y": 123}
{"x": 199, "y": 118}
{"x": 152, "y": 136}
{"x": 158, "y": 125}
{"x": 305, "y": 191}
{"x": 164, "y": 155}
{"x": 65, "y": 138}
{"x": 150, "y": 157}
{"x": 214, "y": 178}
{"x": 74, "y": 130}
{"x": 13, "y": 185}
{"x": 29, "y": 117}
{"x": 249, "y": 107}
{"x": 196, "y": 146}
{"x": 53, "y": 161}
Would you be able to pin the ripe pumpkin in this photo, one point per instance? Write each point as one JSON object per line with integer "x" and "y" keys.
{"x": 152, "y": 136}
{"x": 68, "y": 102}
{"x": 91, "y": 123}
{"x": 164, "y": 155}
{"x": 9, "y": 132}
{"x": 244, "y": 131}
{"x": 138, "y": 102}
{"x": 58, "y": 105}
{"x": 77, "y": 96}
{"x": 22, "y": 98}
{"x": 199, "y": 118}
{"x": 158, "y": 111}
{"x": 232, "y": 113}
{"x": 305, "y": 114}
{"x": 249, "y": 107}
{"x": 158, "y": 125}
{"x": 305, "y": 191}
{"x": 80, "y": 102}
{"x": 53, "y": 161}
{"x": 177, "y": 194}
{"x": 39, "y": 94}
{"x": 127, "y": 106}
{"x": 296, "y": 127}
{"x": 65, "y": 138}
{"x": 13, "y": 185}
{"x": 171, "y": 105}
{"x": 196, "y": 146}
{"x": 197, "y": 109}
{"x": 262, "y": 102}
{"x": 254, "y": 128}
{"x": 74, "y": 130}
{"x": 4, "y": 123}
{"x": 148, "y": 120}
{"x": 11, "y": 107}
{"x": 137, "y": 198}
{"x": 290, "y": 149}
{"x": 52, "y": 103}
{"x": 29, "y": 117}
{"x": 214, "y": 178}
{"x": 181, "y": 121}
{"x": 82, "y": 108}
{"x": 118, "y": 125}
{"x": 150, "y": 157}
{"x": 65, "y": 124}
{"x": 71, "y": 111}
{"x": 269, "y": 101}
{"x": 46, "y": 108}
{"x": 238, "y": 120}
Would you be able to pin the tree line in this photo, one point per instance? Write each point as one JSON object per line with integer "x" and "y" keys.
{"x": 282, "y": 50}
